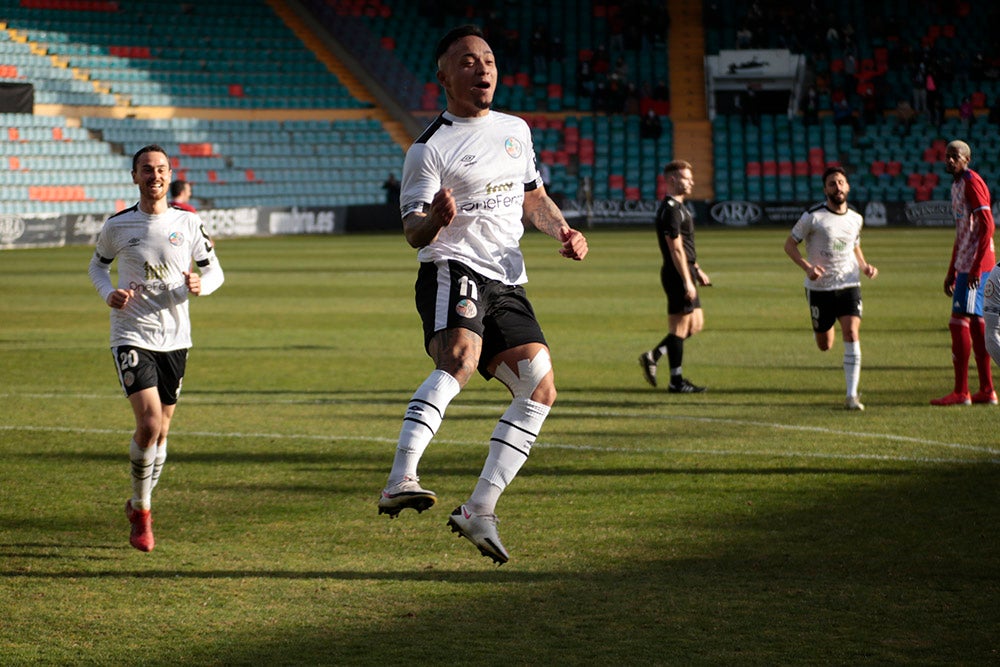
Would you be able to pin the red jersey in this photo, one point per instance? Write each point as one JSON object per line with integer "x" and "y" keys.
{"x": 973, "y": 251}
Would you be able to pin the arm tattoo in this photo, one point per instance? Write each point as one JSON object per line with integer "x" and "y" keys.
{"x": 547, "y": 218}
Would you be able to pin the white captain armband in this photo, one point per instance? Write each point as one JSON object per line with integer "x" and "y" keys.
{"x": 414, "y": 207}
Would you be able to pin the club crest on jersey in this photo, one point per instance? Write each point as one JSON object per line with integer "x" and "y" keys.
{"x": 176, "y": 239}
{"x": 513, "y": 147}
{"x": 466, "y": 309}
{"x": 988, "y": 289}
{"x": 128, "y": 378}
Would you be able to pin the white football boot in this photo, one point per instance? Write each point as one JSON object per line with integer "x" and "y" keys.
{"x": 407, "y": 493}
{"x": 481, "y": 530}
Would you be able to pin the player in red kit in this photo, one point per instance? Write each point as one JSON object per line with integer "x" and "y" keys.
{"x": 972, "y": 258}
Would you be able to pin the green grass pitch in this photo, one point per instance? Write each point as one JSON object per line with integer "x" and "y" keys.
{"x": 758, "y": 523}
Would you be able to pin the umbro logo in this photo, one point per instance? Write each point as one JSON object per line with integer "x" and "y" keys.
{"x": 468, "y": 160}
{"x": 134, "y": 241}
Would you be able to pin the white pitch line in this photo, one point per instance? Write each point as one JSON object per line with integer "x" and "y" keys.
{"x": 610, "y": 414}
{"x": 616, "y": 450}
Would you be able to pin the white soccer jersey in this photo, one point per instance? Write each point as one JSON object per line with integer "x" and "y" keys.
{"x": 153, "y": 251}
{"x": 489, "y": 163}
{"x": 830, "y": 240}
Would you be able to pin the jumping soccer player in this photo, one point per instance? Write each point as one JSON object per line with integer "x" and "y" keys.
{"x": 469, "y": 188}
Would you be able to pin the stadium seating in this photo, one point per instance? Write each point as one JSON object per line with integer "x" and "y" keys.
{"x": 224, "y": 54}
{"x": 389, "y": 37}
{"x": 97, "y": 53}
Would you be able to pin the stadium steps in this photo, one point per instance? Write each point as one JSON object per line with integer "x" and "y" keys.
{"x": 308, "y": 36}
{"x": 692, "y": 131}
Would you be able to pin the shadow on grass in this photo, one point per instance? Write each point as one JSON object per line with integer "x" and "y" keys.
{"x": 899, "y": 568}
{"x": 857, "y": 567}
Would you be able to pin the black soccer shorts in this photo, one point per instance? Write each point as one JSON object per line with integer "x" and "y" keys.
{"x": 827, "y": 306}
{"x": 450, "y": 295}
{"x": 140, "y": 369}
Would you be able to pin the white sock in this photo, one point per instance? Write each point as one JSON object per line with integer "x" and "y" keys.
{"x": 422, "y": 420}
{"x": 512, "y": 439}
{"x": 852, "y": 366}
{"x": 142, "y": 475}
{"x": 161, "y": 458}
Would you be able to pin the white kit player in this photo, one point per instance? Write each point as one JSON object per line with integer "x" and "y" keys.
{"x": 833, "y": 266}
{"x": 469, "y": 188}
{"x": 155, "y": 245}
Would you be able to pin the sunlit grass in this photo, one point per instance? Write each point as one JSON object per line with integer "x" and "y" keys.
{"x": 758, "y": 523}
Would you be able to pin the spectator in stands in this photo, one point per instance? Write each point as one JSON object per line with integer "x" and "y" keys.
{"x": 977, "y": 67}
{"x": 810, "y": 106}
{"x": 871, "y": 104}
{"x": 601, "y": 61}
{"x": 994, "y": 116}
{"x": 906, "y": 115}
{"x": 585, "y": 78}
{"x": 966, "y": 114}
{"x": 661, "y": 92}
{"x": 935, "y": 100}
{"x": 919, "y": 86}
{"x": 744, "y": 36}
{"x": 650, "y": 126}
{"x": 749, "y": 105}
{"x": 391, "y": 187}
{"x": 935, "y": 109}
{"x": 180, "y": 195}
{"x": 540, "y": 48}
{"x": 632, "y": 101}
{"x": 843, "y": 114}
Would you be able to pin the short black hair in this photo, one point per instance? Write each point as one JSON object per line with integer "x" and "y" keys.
{"x": 834, "y": 169}
{"x": 151, "y": 148}
{"x": 454, "y": 35}
{"x": 177, "y": 187}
